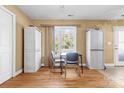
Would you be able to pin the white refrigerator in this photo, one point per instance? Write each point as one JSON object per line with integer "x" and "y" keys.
{"x": 32, "y": 49}
{"x": 94, "y": 49}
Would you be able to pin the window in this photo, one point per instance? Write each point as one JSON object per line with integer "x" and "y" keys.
{"x": 65, "y": 38}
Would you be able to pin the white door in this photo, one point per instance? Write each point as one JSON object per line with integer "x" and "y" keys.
{"x": 5, "y": 45}
{"x": 119, "y": 45}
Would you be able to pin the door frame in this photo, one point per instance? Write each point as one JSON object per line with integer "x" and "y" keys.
{"x": 115, "y": 28}
{"x": 13, "y": 39}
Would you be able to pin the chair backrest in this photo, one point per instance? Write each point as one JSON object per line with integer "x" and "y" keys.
{"x": 52, "y": 55}
{"x": 72, "y": 56}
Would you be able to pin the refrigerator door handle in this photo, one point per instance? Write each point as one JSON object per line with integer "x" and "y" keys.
{"x": 116, "y": 47}
{"x": 97, "y": 49}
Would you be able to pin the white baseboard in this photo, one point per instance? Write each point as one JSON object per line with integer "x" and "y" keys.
{"x": 59, "y": 64}
{"x": 109, "y": 65}
{"x": 6, "y": 77}
{"x": 17, "y": 73}
{"x": 105, "y": 64}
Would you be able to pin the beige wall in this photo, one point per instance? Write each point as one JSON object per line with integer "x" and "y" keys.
{"x": 21, "y": 21}
{"x": 106, "y": 26}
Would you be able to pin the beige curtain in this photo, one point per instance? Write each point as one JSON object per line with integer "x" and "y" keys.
{"x": 48, "y": 42}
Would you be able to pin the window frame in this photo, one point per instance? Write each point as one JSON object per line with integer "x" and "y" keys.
{"x": 74, "y": 36}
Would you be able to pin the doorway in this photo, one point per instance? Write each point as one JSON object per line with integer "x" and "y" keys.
{"x": 7, "y": 44}
{"x": 119, "y": 45}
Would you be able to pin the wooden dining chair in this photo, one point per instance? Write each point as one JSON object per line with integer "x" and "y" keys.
{"x": 72, "y": 58}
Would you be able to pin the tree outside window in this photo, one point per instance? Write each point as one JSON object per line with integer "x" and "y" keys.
{"x": 65, "y": 38}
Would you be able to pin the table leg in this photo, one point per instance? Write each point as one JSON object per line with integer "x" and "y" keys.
{"x": 61, "y": 67}
{"x": 81, "y": 64}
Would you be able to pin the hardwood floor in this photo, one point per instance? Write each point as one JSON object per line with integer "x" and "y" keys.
{"x": 114, "y": 74}
{"x": 44, "y": 78}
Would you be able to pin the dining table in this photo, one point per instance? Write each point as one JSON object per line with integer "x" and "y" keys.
{"x": 63, "y": 56}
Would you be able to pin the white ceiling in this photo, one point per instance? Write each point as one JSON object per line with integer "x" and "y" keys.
{"x": 84, "y": 12}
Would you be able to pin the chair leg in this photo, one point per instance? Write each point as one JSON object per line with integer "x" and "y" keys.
{"x": 53, "y": 68}
{"x": 78, "y": 67}
{"x": 61, "y": 66}
{"x": 79, "y": 71}
{"x": 65, "y": 70}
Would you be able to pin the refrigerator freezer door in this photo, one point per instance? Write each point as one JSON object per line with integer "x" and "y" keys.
{"x": 29, "y": 40}
{"x": 100, "y": 40}
{"x": 94, "y": 39}
{"x": 29, "y": 65}
{"x": 37, "y": 50}
{"x": 93, "y": 59}
{"x": 38, "y": 41}
{"x": 100, "y": 60}
{"x": 88, "y": 47}
{"x": 37, "y": 60}
{"x": 97, "y": 60}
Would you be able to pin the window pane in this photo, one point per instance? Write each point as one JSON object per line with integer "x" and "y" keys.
{"x": 65, "y": 38}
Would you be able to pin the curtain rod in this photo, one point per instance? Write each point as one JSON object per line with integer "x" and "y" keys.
{"x": 49, "y": 25}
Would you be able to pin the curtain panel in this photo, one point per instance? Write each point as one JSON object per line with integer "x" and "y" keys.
{"x": 48, "y": 43}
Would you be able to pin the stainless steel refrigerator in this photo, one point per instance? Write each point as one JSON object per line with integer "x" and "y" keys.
{"x": 94, "y": 49}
